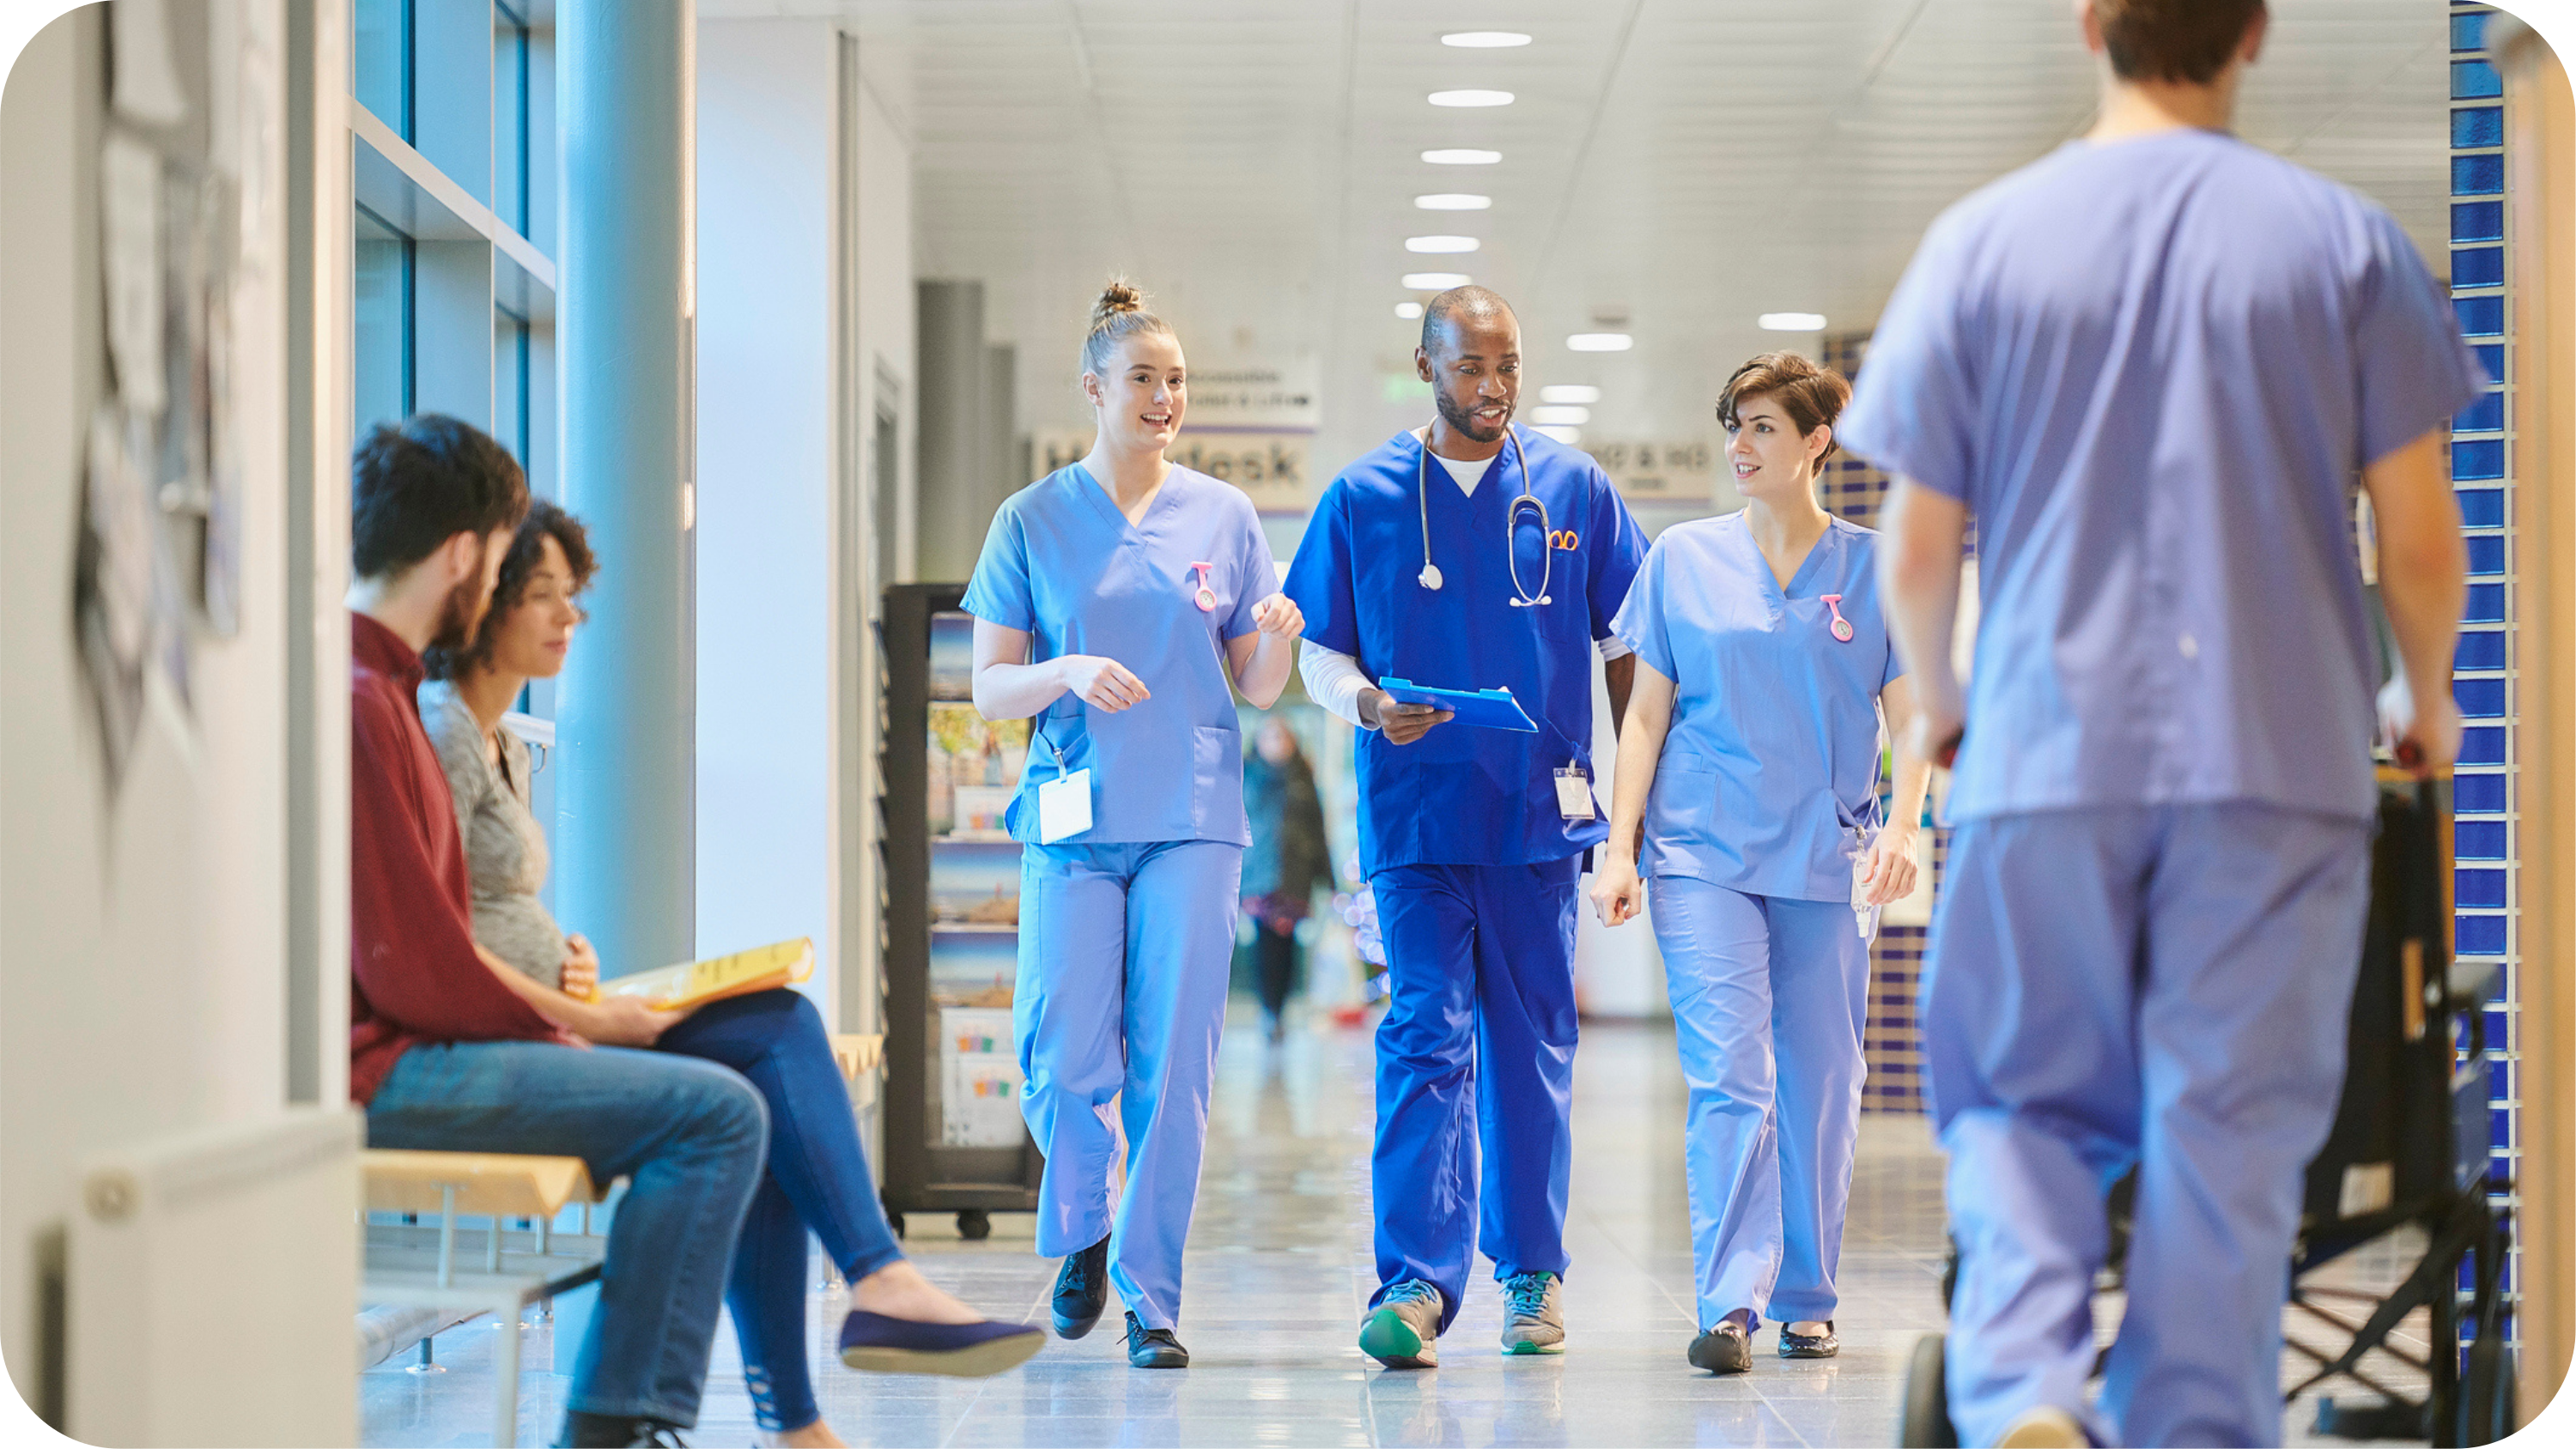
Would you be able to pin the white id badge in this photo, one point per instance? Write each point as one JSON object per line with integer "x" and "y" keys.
{"x": 1573, "y": 793}
{"x": 1064, "y": 807}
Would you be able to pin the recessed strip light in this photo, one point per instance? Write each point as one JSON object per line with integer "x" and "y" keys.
{"x": 1560, "y": 415}
{"x": 1471, "y": 98}
{"x": 1453, "y": 201}
{"x": 1462, "y": 156}
{"x": 1600, "y": 342}
{"x": 1570, "y": 437}
{"x": 1434, "y": 281}
{"x": 1793, "y": 321}
{"x": 1485, "y": 39}
{"x": 1441, "y": 245}
{"x": 1569, "y": 392}
{"x": 1409, "y": 311}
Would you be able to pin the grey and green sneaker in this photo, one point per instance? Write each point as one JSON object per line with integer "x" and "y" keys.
{"x": 1533, "y": 1322}
{"x": 1403, "y": 1331}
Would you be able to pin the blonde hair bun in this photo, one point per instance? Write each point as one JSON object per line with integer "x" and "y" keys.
{"x": 1119, "y": 296}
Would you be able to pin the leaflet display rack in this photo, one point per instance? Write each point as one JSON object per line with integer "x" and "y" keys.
{"x": 954, "y": 1139}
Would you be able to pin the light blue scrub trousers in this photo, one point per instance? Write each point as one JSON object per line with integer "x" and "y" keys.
{"x": 2166, "y": 986}
{"x": 1125, "y": 951}
{"x": 1769, "y": 996}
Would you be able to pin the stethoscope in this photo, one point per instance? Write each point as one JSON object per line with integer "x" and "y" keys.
{"x": 1429, "y": 578}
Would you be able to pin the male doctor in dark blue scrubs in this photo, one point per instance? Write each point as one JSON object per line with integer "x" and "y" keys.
{"x": 1470, "y": 555}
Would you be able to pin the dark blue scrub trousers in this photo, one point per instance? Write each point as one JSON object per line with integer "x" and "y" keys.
{"x": 1476, "y": 1052}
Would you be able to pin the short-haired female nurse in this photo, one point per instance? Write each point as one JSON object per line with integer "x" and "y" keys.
{"x": 1117, "y": 600}
{"x": 1751, "y": 757}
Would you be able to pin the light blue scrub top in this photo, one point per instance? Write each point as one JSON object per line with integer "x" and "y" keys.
{"x": 1463, "y": 795}
{"x": 2152, "y": 370}
{"x": 1064, "y": 565}
{"x": 1770, "y": 766}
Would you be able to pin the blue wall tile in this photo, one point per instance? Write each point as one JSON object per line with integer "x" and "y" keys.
{"x": 2486, "y": 604}
{"x": 2479, "y": 839}
{"x": 2478, "y": 794}
{"x": 2474, "y": 80}
{"x": 2482, "y": 745}
{"x": 2477, "y": 126}
{"x": 2477, "y": 267}
{"x": 2477, "y": 221}
{"x": 2486, "y": 556}
{"x": 2480, "y": 649}
{"x": 2479, "y": 698}
{"x": 2469, "y": 32}
{"x": 2490, "y": 359}
{"x": 2482, "y": 935}
{"x": 2480, "y": 175}
{"x": 2482, "y": 507}
{"x": 2480, "y": 316}
{"x": 2477, "y": 460}
{"x": 2478, "y": 887}
{"x": 2486, "y": 415}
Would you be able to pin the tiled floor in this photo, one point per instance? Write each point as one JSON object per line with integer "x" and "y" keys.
{"x": 1280, "y": 1269}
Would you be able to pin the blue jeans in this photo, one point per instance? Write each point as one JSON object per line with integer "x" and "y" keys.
{"x": 688, "y": 1134}
{"x": 818, "y": 1177}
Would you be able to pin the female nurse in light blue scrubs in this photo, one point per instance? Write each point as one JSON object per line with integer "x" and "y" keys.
{"x": 1751, "y": 758}
{"x": 1116, "y": 601}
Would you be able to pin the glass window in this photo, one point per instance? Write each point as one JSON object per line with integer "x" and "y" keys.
{"x": 510, "y": 117}
{"x": 383, "y": 315}
{"x": 510, "y": 383}
{"x": 381, "y": 61}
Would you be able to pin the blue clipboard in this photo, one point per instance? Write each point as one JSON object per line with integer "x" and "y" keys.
{"x": 1495, "y": 709}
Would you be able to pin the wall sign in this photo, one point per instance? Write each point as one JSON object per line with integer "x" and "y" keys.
{"x": 1271, "y": 465}
{"x": 1682, "y": 471}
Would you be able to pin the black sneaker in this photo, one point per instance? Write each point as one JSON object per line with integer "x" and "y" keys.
{"x": 1724, "y": 1349}
{"x": 617, "y": 1431}
{"x": 1082, "y": 1290}
{"x": 1154, "y": 1347}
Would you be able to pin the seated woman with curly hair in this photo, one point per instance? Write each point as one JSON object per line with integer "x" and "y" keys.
{"x": 817, "y": 1172}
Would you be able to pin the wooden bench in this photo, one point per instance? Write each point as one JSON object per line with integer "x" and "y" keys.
{"x": 417, "y": 1264}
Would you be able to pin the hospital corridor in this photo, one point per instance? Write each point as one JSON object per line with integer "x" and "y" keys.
{"x": 1175, "y": 723}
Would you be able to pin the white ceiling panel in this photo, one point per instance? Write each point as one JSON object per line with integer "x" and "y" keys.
{"x": 1689, "y": 163}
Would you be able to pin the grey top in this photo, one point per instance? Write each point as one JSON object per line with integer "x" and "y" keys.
{"x": 505, "y": 850}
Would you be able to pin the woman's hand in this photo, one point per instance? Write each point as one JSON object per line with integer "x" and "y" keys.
{"x": 1887, "y": 871}
{"x": 1617, "y": 894}
{"x": 580, "y": 968}
{"x": 1104, "y": 684}
{"x": 628, "y": 1021}
{"x": 1279, "y": 617}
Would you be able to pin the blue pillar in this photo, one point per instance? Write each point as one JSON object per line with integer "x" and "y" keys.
{"x": 625, "y": 717}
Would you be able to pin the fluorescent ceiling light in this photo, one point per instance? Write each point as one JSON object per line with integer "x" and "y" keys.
{"x": 1471, "y": 98}
{"x": 1600, "y": 342}
{"x": 1485, "y": 39}
{"x": 1559, "y": 415}
{"x": 1569, "y": 392}
{"x": 1441, "y": 245}
{"x": 1434, "y": 281}
{"x": 1570, "y": 437}
{"x": 1453, "y": 201}
{"x": 1793, "y": 321}
{"x": 1462, "y": 156}
{"x": 1409, "y": 311}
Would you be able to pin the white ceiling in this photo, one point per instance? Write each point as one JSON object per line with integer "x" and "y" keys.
{"x": 1692, "y": 163}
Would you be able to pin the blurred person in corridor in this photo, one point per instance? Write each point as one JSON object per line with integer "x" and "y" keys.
{"x": 1287, "y": 863}
{"x": 2150, "y": 365}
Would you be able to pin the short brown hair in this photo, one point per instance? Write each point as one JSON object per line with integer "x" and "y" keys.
{"x": 2173, "y": 40}
{"x": 527, "y": 550}
{"x": 1813, "y": 396}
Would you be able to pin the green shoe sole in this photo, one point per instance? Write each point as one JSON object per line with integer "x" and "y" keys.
{"x": 1386, "y": 1337}
{"x": 1526, "y": 1348}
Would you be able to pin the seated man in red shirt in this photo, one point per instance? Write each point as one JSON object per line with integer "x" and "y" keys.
{"x": 448, "y": 1048}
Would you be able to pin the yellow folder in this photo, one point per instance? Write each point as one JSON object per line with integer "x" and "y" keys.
{"x": 695, "y": 983}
